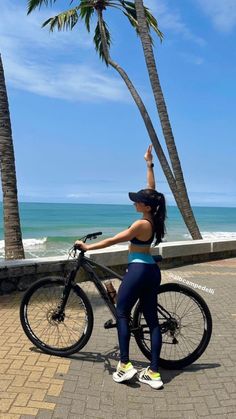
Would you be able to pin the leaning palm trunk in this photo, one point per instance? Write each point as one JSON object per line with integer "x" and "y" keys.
{"x": 146, "y": 118}
{"x": 12, "y": 230}
{"x": 84, "y": 10}
{"x": 164, "y": 119}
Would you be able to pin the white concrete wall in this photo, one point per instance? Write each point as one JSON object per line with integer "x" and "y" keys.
{"x": 19, "y": 274}
{"x": 114, "y": 255}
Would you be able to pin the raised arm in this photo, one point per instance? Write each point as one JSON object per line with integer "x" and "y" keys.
{"x": 150, "y": 173}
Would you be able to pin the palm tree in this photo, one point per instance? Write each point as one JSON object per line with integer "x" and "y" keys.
{"x": 146, "y": 41}
{"x": 102, "y": 39}
{"x": 12, "y": 230}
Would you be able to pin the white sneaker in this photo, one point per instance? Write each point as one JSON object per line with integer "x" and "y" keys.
{"x": 122, "y": 374}
{"x": 154, "y": 382}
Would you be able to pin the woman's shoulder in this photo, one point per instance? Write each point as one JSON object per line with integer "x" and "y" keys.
{"x": 141, "y": 222}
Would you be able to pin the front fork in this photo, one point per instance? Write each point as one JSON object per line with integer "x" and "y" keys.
{"x": 59, "y": 312}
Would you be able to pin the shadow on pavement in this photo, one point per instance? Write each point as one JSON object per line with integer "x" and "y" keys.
{"x": 113, "y": 354}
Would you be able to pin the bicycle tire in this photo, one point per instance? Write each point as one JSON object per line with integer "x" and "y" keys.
{"x": 207, "y": 319}
{"x": 83, "y": 300}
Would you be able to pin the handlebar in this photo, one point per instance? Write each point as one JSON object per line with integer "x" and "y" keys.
{"x": 87, "y": 237}
{"x": 92, "y": 236}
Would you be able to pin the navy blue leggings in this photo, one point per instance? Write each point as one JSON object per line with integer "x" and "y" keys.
{"x": 141, "y": 282}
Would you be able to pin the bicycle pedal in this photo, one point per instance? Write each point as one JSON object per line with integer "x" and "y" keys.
{"x": 109, "y": 324}
{"x": 134, "y": 329}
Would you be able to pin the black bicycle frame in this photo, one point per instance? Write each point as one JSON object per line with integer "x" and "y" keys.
{"x": 88, "y": 266}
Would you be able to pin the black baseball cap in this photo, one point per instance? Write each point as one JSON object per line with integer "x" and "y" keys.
{"x": 147, "y": 196}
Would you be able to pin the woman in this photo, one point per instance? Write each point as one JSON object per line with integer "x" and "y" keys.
{"x": 142, "y": 278}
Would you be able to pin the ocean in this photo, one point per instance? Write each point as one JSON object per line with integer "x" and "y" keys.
{"x": 51, "y": 229}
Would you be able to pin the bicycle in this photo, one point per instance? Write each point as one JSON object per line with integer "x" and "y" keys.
{"x": 57, "y": 316}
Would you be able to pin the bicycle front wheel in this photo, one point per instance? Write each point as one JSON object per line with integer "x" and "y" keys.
{"x": 56, "y": 335}
{"x": 185, "y": 323}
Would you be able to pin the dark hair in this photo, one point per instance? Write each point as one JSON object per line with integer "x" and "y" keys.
{"x": 156, "y": 200}
{"x": 158, "y": 212}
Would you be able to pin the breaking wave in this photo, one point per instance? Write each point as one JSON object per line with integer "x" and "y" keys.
{"x": 27, "y": 243}
{"x": 216, "y": 235}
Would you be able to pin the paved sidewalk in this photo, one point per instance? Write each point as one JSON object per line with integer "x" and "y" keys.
{"x": 35, "y": 385}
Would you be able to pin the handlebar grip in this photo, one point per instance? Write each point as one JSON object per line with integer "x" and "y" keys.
{"x": 89, "y": 236}
{"x": 77, "y": 247}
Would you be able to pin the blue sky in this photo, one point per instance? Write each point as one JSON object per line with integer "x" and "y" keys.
{"x": 79, "y": 137}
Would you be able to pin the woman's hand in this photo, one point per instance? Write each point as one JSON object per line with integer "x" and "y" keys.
{"x": 82, "y": 245}
{"x": 148, "y": 155}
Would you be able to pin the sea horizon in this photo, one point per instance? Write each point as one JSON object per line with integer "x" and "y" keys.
{"x": 110, "y": 203}
{"x": 50, "y": 229}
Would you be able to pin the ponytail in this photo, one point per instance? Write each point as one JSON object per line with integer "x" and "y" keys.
{"x": 158, "y": 212}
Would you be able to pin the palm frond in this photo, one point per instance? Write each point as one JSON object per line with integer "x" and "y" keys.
{"x": 86, "y": 12}
{"x": 33, "y": 4}
{"x": 130, "y": 13}
{"x": 152, "y": 22}
{"x": 64, "y": 21}
{"x": 132, "y": 20}
{"x": 97, "y": 39}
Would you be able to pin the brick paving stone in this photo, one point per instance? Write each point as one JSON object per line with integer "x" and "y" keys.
{"x": 44, "y": 414}
{"x": 54, "y": 399}
{"x": 61, "y": 412}
{"x": 147, "y": 410}
{"x": 231, "y": 402}
{"x": 70, "y": 386}
{"x": 33, "y": 384}
{"x": 27, "y": 417}
{"x": 77, "y": 406}
{"x": 212, "y": 401}
{"x": 168, "y": 414}
{"x": 219, "y": 411}
{"x": 106, "y": 408}
{"x": 72, "y": 416}
{"x": 201, "y": 409}
{"x": 190, "y": 415}
{"x": 134, "y": 414}
{"x": 90, "y": 413}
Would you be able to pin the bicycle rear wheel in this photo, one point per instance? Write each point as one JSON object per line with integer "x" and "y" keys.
{"x": 187, "y": 332}
{"x": 63, "y": 335}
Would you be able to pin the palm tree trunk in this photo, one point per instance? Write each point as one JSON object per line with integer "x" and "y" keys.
{"x": 12, "y": 230}
{"x": 146, "y": 118}
{"x": 164, "y": 119}
{"x": 149, "y": 126}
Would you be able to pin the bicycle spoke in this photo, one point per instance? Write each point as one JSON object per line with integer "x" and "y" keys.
{"x": 64, "y": 332}
{"x": 185, "y": 334}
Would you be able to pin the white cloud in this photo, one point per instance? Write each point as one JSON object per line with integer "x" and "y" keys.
{"x": 170, "y": 19}
{"x": 71, "y": 82}
{"x": 26, "y": 31}
{"x": 222, "y": 13}
{"x": 35, "y": 60}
